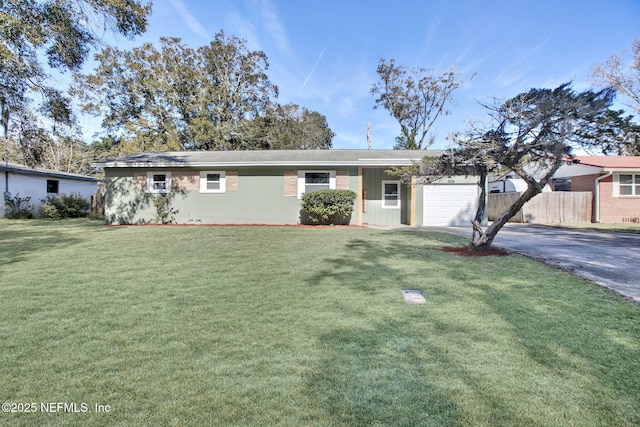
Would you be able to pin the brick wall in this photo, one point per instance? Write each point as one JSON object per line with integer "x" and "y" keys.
{"x": 619, "y": 208}
{"x": 584, "y": 182}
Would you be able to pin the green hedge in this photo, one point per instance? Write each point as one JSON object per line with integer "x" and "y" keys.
{"x": 65, "y": 206}
{"x": 325, "y": 207}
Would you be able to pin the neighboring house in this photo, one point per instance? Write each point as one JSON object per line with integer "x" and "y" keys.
{"x": 507, "y": 184}
{"x": 23, "y": 181}
{"x": 614, "y": 182}
{"x": 510, "y": 183}
{"x": 265, "y": 187}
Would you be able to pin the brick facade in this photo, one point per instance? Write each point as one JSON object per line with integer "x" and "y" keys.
{"x": 613, "y": 209}
{"x": 617, "y": 209}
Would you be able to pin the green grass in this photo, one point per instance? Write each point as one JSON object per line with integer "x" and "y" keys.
{"x": 261, "y": 326}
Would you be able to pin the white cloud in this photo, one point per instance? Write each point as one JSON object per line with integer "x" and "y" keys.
{"x": 193, "y": 24}
{"x": 271, "y": 20}
{"x": 244, "y": 29}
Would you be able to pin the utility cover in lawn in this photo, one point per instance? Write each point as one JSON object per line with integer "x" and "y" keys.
{"x": 413, "y": 296}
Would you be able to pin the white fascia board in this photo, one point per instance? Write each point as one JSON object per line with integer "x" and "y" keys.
{"x": 621, "y": 170}
{"x": 367, "y": 162}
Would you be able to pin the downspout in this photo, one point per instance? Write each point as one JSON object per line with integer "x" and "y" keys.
{"x": 597, "y": 195}
{"x": 360, "y": 200}
{"x": 6, "y": 175}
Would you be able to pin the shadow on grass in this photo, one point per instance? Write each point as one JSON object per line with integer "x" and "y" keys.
{"x": 369, "y": 261}
{"x": 590, "y": 335}
{"x": 398, "y": 373}
{"x": 21, "y": 238}
{"x": 376, "y": 377}
{"x": 389, "y": 376}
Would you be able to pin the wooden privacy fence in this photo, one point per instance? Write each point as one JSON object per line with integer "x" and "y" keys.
{"x": 546, "y": 208}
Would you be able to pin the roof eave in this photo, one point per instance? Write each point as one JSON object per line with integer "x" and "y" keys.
{"x": 306, "y": 163}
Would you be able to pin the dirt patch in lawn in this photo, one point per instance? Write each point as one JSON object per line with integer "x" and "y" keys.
{"x": 465, "y": 251}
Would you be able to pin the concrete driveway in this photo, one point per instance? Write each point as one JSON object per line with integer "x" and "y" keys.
{"x": 611, "y": 260}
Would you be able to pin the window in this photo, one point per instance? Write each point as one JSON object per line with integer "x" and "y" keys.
{"x": 52, "y": 186}
{"x": 629, "y": 185}
{"x": 562, "y": 184}
{"x": 212, "y": 182}
{"x": 158, "y": 182}
{"x": 309, "y": 181}
{"x": 391, "y": 194}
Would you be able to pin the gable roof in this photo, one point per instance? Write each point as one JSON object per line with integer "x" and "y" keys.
{"x": 26, "y": 170}
{"x": 330, "y": 157}
{"x": 610, "y": 162}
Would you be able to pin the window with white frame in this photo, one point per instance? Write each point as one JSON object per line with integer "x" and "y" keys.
{"x": 212, "y": 182}
{"x": 309, "y": 181}
{"x": 158, "y": 182}
{"x": 629, "y": 184}
{"x": 391, "y": 194}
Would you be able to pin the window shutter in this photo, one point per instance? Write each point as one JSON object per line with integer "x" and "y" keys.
{"x": 140, "y": 181}
{"x": 291, "y": 183}
{"x": 232, "y": 180}
{"x": 187, "y": 181}
{"x": 342, "y": 180}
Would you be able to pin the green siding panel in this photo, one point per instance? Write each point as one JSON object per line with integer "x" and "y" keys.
{"x": 372, "y": 182}
{"x": 259, "y": 199}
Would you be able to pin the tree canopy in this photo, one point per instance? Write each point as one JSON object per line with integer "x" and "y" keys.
{"x": 415, "y": 98}
{"x": 61, "y": 34}
{"x": 531, "y": 134}
{"x": 215, "y": 97}
{"x": 622, "y": 73}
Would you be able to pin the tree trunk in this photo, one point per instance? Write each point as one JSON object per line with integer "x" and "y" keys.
{"x": 482, "y": 207}
{"x": 482, "y": 240}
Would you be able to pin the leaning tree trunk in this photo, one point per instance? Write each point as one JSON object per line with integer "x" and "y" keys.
{"x": 482, "y": 206}
{"x": 481, "y": 240}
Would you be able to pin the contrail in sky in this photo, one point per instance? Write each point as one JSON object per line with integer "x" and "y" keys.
{"x": 314, "y": 67}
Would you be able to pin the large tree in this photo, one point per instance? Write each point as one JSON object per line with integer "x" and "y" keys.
{"x": 533, "y": 134}
{"x": 622, "y": 73}
{"x": 415, "y": 98}
{"x": 216, "y": 97}
{"x": 289, "y": 127}
{"x": 145, "y": 96}
{"x": 37, "y": 37}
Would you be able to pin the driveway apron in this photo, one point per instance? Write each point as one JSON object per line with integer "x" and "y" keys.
{"x": 611, "y": 260}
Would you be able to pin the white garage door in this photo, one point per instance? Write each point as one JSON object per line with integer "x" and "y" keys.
{"x": 450, "y": 204}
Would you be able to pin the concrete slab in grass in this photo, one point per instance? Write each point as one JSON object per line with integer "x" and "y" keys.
{"x": 413, "y": 296}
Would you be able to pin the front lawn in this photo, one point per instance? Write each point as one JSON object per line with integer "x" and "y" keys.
{"x": 296, "y": 326}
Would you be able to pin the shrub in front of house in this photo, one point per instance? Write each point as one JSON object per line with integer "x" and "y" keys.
{"x": 327, "y": 207}
{"x": 18, "y": 207}
{"x": 65, "y": 206}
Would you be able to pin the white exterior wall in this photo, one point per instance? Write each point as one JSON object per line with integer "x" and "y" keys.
{"x": 35, "y": 186}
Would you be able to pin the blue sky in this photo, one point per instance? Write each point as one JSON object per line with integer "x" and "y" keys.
{"x": 323, "y": 54}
